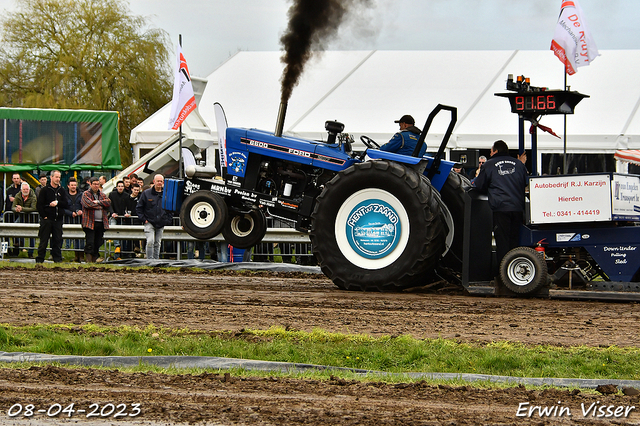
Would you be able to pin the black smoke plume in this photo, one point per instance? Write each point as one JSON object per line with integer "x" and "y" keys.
{"x": 312, "y": 23}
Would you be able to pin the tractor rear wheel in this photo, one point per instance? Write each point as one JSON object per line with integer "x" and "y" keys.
{"x": 203, "y": 214}
{"x": 453, "y": 193}
{"x": 378, "y": 226}
{"x": 523, "y": 270}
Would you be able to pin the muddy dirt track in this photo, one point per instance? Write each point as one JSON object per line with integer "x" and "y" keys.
{"x": 218, "y": 300}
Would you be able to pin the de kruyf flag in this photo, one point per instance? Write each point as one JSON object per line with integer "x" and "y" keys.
{"x": 572, "y": 41}
{"x": 183, "y": 99}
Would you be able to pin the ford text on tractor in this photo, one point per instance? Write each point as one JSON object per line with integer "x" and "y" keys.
{"x": 383, "y": 221}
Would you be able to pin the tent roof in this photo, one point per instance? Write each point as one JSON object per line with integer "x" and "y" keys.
{"x": 368, "y": 90}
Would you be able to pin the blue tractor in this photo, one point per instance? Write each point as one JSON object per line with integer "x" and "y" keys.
{"x": 377, "y": 220}
{"x": 383, "y": 221}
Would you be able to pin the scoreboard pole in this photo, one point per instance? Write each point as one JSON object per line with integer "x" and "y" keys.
{"x": 534, "y": 151}
{"x": 520, "y": 134}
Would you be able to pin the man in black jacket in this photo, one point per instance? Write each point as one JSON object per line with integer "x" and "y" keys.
{"x": 504, "y": 179}
{"x": 12, "y": 191}
{"x": 118, "y": 210}
{"x": 73, "y": 214}
{"x": 153, "y": 216}
{"x": 130, "y": 209}
{"x": 52, "y": 202}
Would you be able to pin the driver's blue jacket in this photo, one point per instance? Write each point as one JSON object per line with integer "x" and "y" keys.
{"x": 404, "y": 142}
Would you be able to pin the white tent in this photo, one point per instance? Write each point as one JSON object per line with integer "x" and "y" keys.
{"x": 368, "y": 90}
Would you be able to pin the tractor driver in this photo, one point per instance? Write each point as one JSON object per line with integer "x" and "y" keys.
{"x": 404, "y": 142}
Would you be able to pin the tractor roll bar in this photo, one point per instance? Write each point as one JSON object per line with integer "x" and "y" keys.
{"x": 445, "y": 139}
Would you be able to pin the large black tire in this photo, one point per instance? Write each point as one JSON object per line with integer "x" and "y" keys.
{"x": 523, "y": 270}
{"x": 245, "y": 230}
{"x": 203, "y": 214}
{"x": 453, "y": 193}
{"x": 377, "y": 226}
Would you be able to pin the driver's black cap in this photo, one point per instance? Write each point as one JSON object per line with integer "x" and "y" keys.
{"x": 406, "y": 119}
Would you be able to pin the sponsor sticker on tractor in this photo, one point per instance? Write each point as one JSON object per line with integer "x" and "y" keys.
{"x": 373, "y": 229}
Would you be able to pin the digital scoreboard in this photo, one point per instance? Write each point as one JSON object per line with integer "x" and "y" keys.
{"x": 544, "y": 102}
{"x": 531, "y": 101}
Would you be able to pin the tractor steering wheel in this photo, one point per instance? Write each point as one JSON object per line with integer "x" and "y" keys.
{"x": 369, "y": 143}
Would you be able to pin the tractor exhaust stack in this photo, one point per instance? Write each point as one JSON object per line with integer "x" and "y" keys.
{"x": 282, "y": 112}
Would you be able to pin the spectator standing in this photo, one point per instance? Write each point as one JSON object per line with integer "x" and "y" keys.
{"x": 103, "y": 181}
{"x": 504, "y": 179}
{"x": 118, "y": 210}
{"x": 95, "y": 218}
{"x": 475, "y": 172}
{"x": 85, "y": 185}
{"x": 25, "y": 203}
{"x": 74, "y": 215}
{"x": 135, "y": 180}
{"x": 132, "y": 202}
{"x": 52, "y": 202}
{"x": 43, "y": 183}
{"x": 153, "y": 216}
{"x": 127, "y": 184}
{"x": 12, "y": 191}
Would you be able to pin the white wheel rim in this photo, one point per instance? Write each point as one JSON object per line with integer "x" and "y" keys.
{"x": 235, "y": 223}
{"x": 356, "y": 248}
{"x": 202, "y": 214}
{"x": 521, "y": 271}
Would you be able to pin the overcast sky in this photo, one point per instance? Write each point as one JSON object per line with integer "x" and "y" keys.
{"x": 214, "y": 30}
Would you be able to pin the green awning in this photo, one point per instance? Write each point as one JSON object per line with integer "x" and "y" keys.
{"x": 50, "y": 139}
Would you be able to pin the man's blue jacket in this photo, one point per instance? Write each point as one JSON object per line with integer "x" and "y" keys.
{"x": 149, "y": 208}
{"x": 404, "y": 142}
{"x": 504, "y": 179}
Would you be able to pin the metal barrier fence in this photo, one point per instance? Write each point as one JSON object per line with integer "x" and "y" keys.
{"x": 281, "y": 242}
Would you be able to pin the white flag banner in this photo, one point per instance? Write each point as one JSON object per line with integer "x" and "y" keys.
{"x": 221, "y": 125}
{"x": 572, "y": 41}
{"x": 183, "y": 101}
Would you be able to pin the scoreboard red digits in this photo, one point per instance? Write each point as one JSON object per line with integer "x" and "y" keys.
{"x": 535, "y": 103}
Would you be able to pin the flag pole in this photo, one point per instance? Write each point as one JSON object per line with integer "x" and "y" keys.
{"x": 564, "y": 156}
{"x": 180, "y": 131}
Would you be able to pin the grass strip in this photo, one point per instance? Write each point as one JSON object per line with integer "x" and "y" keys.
{"x": 387, "y": 354}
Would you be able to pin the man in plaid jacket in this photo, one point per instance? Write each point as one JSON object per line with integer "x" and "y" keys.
{"x": 95, "y": 218}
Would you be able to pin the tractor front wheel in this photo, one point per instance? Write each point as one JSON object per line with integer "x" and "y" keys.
{"x": 203, "y": 214}
{"x": 245, "y": 230}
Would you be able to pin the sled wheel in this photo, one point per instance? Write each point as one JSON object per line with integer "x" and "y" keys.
{"x": 523, "y": 270}
{"x": 203, "y": 214}
{"x": 453, "y": 193}
{"x": 245, "y": 230}
{"x": 377, "y": 226}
